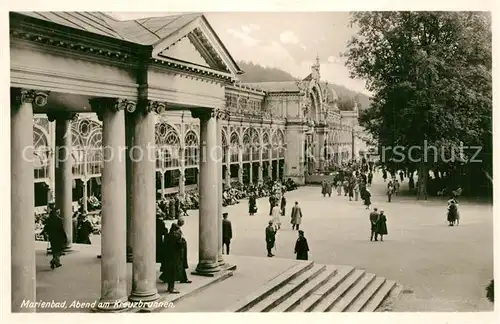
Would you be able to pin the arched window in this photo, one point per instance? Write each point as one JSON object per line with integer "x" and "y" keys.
{"x": 275, "y": 145}
{"x": 191, "y": 150}
{"x": 41, "y": 153}
{"x": 266, "y": 146}
{"x": 281, "y": 144}
{"x": 77, "y": 153}
{"x": 94, "y": 157}
{"x": 247, "y": 145}
{"x": 234, "y": 146}
{"x": 256, "y": 145}
{"x": 167, "y": 146}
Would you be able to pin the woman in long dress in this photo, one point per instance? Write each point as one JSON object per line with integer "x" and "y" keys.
{"x": 252, "y": 204}
{"x": 382, "y": 225}
{"x": 275, "y": 213}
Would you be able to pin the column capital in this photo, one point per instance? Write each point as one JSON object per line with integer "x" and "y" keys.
{"x": 21, "y": 96}
{"x": 99, "y": 105}
{"x": 156, "y": 106}
{"x": 222, "y": 114}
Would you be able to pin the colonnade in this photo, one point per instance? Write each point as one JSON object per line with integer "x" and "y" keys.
{"x": 118, "y": 177}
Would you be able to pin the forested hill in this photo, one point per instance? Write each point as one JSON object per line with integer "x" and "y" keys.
{"x": 258, "y": 73}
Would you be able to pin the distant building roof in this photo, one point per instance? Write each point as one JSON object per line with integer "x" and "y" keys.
{"x": 275, "y": 86}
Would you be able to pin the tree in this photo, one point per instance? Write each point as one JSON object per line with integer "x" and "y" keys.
{"x": 430, "y": 73}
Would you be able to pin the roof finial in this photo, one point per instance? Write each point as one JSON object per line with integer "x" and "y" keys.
{"x": 317, "y": 59}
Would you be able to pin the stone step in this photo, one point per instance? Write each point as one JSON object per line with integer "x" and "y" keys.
{"x": 307, "y": 290}
{"x": 288, "y": 290}
{"x": 310, "y": 303}
{"x": 270, "y": 287}
{"x": 368, "y": 294}
{"x": 350, "y": 297}
{"x": 379, "y": 297}
{"x": 335, "y": 296}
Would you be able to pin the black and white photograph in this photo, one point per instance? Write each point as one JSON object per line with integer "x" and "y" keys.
{"x": 229, "y": 161}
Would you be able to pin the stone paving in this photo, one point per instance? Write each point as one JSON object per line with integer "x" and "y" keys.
{"x": 441, "y": 268}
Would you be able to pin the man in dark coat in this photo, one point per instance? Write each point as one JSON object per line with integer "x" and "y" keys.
{"x": 227, "y": 232}
{"x": 172, "y": 258}
{"x": 301, "y": 247}
{"x": 252, "y": 204}
{"x": 270, "y": 238}
{"x": 161, "y": 231}
{"x": 374, "y": 217}
{"x": 283, "y": 205}
{"x": 182, "y": 275}
{"x": 54, "y": 228}
{"x": 84, "y": 229}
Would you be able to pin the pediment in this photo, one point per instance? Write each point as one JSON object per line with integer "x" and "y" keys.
{"x": 197, "y": 43}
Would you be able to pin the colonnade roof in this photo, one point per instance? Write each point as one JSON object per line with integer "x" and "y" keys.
{"x": 153, "y": 32}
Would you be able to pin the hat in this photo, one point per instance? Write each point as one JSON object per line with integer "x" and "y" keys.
{"x": 381, "y": 210}
{"x": 225, "y": 214}
{"x": 270, "y": 222}
{"x": 301, "y": 232}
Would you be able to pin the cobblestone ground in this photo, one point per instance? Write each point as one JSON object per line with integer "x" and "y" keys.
{"x": 441, "y": 268}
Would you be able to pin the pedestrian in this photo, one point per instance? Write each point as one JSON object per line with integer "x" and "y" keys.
{"x": 356, "y": 191}
{"x": 275, "y": 213}
{"x": 252, "y": 204}
{"x": 370, "y": 178}
{"x": 329, "y": 188}
{"x": 182, "y": 275}
{"x": 390, "y": 191}
{"x": 339, "y": 188}
{"x": 384, "y": 174}
{"x": 283, "y": 205}
{"x": 401, "y": 176}
{"x": 366, "y": 196}
{"x": 296, "y": 216}
{"x": 172, "y": 258}
{"x": 270, "y": 239}
{"x": 227, "y": 232}
{"x": 323, "y": 188}
{"x": 452, "y": 212}
{"x": 301, "y": 247}
{"x": 374, "y": 216}
{"x": 381, "y": 226}
{"x": 396, "y": 187}
{"x": 271, "y": 204}
{"x": 84, "y": 229}
{"x": 161, "y": 232}
{"x": 54, "y": 228}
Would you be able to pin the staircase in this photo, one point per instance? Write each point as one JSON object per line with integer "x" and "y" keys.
{"x": 310, "y": 287}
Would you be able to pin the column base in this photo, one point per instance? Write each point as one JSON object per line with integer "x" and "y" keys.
{"x": 207, "y": 269}
{"x": 146, "y": 296}
{"x": 112, "y": 306}
{"x": 220, "y": 260}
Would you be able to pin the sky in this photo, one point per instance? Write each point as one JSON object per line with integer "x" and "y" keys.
{"x": 289, "y": 41}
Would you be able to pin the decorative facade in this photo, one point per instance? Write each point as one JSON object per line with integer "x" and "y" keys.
{"x": 90, "y": 96}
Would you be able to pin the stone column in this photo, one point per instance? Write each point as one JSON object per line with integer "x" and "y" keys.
{"x": 270, "y": 170}
{"x": 23, "y": 264}
{"x": 240, "y": 162}
{"x": 208, "y": 228}
{"x": 114, "y": 207}
{"x": 64, "y": 173}
{"x": 261, "y": 164}
{"x": 52, "y": 164}
{"x": 220, "y": 118}
{"x": 321, "y": 150}
{"x": 129, "y": 140}
{"x": 144, "y": 203}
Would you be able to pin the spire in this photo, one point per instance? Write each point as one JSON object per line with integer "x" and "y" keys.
{"x": 317, "y": 59}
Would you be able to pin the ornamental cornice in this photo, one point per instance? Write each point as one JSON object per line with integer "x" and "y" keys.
{"x": 68, "y": 42}
{"x": 191, "y": 71}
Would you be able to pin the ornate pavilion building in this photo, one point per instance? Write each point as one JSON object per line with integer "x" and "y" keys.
{"x": 91, "y": 85}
